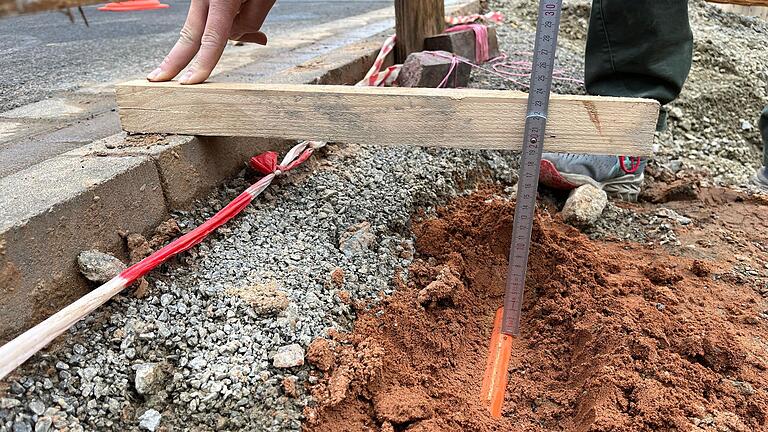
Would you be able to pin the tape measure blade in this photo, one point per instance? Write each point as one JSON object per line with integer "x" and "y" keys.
{"x": 545, "y": 49}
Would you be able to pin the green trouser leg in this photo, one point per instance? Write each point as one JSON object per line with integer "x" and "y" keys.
{"x": 639, "y": 48}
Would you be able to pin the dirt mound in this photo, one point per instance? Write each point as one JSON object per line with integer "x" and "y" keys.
{"x": 616, "y": 337}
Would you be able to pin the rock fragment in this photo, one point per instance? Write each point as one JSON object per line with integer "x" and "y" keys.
{"x": 356, "y": 239}
{"x": 8, "y": 403}
{"x": 288, "y": 356}
{"x": 99, "y": 267}
{"x": 150, "y": 420}
{"x": 138, "y": 247}
{"x": 37, "y": 407}
{"x": 43, "y": 424}
{"x": 585, "y": 205}
{"x": 320, "y": 354}
{"x": 444, "y": 287}
{"x": 265, "y": 298}
{"x": 673, "y": 215}
{"x": 148, "y": 378}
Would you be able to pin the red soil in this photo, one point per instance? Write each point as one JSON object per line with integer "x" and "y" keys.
{"x": 616, "y": 336}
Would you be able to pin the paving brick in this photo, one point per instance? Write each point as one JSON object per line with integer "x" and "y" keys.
{"x": 462, "y": 43}
{"x": 429, "y": 69}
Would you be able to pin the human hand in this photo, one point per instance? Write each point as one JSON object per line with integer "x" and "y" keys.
{"x": 210, "y": 23}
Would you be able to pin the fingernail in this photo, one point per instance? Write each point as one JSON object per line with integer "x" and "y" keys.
{"x": 152, "y": 75}
{"x": 186, "y": 77}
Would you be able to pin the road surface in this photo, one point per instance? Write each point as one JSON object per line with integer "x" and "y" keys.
{"x": 42, "y": 54}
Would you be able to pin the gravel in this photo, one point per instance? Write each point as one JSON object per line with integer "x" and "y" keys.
{"x": 349, "y": 215}
{"x": 218, "y": 316}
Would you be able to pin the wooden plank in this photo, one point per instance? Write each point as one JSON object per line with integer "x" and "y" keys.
{"x": 414, "y": 21}
{"x": 742, "y": 2}
{"x": 758, "y": 11}
{"x": 457, "y": 118}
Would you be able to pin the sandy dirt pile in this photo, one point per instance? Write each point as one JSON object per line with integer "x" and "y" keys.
{"x": 616, "y": 336}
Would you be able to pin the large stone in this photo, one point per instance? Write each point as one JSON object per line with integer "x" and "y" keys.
{"x": 43, "y": 424}
{"x": 99, "y": 267}
{"x": 356, "y": 239}
{"x": 289, "y": 356}
{"x": 429, "y": 69}
{"x": 148, "y": 378}
{"x": 150, "y": 420}
{"x": 585, "y": 205}
{"x": 265, "y": 298}
{"x": 462, "y": 43}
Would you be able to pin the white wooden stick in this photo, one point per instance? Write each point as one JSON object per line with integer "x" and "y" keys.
{"x": 17, "y": 351}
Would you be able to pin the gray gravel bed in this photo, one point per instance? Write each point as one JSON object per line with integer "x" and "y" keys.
{"x": 199, "y": 352}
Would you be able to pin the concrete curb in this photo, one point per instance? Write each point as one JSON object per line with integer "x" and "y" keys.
{"x": 82, "y": 199}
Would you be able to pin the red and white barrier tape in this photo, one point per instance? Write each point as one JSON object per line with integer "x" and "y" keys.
{"x": 495, "y": 17}
{"x": 376, "y": 77}
{"x": 17, "y": 351}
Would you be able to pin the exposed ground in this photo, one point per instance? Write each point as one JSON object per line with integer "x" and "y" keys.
{"x": 616, "y": 336}
{"x": 653, "y": 319}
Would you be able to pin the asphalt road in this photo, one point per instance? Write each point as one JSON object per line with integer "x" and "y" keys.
{"x": 44, "y": 53}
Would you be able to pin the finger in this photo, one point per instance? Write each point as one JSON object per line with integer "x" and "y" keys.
{"x": 258, "y": 38}
{"x": 186, "y": 47}
{"x": 221, "y": 13}
{"x": 252, "y": 16}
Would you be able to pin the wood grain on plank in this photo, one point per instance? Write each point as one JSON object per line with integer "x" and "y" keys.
{"x": 455, "y": 118}
{"x": 758, "y": 11}
{"x": 742, "y": 2}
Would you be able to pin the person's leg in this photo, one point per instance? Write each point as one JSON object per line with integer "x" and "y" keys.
{"x": 638, "y": 48}
{"x": 635, "y": 48}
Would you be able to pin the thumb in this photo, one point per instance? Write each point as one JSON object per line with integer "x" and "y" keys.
{"x": 258, "y": 37}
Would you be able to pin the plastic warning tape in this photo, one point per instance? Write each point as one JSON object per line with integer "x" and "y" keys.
{"x": 495, "y": 17}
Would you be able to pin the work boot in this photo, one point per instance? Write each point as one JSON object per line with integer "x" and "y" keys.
{"x": 619, "y": 176}
{"x": 761, "y": 179}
